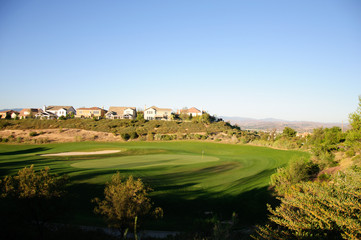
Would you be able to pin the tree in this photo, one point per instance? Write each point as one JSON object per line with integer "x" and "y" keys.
{"x": 34, "y": 197}
{"x": 354, "y": 135}
{"x": 318, "y": 210}
{"x": 140, "y": 116}
{"x": 355, "y": 118}
{"x": 289, "y": 132}
{"x": 124, "y": 202}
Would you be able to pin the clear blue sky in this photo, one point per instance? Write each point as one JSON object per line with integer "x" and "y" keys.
{"x": 294, "y": 60}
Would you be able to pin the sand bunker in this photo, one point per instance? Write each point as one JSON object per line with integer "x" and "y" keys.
{"x": 81, "y": 153}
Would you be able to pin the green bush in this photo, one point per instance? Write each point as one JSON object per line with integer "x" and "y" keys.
{"x": 298, "y": 170}
{"x": 357, "y": 160}
{"x": 318, "y": 210}
{"x": 350, "y": 153}
{"x": 125, "y": 136}
{"x": 168, "y": 137}
{"x": 133, "y": 135}
{"x": 33, "y": 134}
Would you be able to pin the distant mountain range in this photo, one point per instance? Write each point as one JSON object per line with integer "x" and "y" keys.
{"x": 269, "y": 124}
{"x": 15, "y": 109}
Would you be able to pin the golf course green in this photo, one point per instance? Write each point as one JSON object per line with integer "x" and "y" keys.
{"x": 187, "y": 178}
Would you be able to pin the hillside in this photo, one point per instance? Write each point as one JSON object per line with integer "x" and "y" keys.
{"x": 120, "y": 129}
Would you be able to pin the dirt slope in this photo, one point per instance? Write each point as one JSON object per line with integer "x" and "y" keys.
{"x": 60, "y": 135}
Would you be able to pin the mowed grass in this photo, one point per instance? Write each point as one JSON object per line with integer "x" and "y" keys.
{"x": 145, "y": 161}
{"x": 188, "y": 178}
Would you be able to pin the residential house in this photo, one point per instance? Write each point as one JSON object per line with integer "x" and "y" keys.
{"x": 155, "y": 113}
{"x": 46, "y": 115}
{"x": 190, "y": 111}
{"x": 8, "y": 114}
{"x": 28, "y": 112}
{"x": 60, "y": 110}
{"x": 90, "y": 112}
{"x": 121, "y": 113}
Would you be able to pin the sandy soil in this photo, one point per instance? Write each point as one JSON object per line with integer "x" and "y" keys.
{"x": 61, "y": 135}
{"x": 81, "y": 153}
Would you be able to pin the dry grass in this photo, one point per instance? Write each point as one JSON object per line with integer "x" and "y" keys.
{"x": 61, "y": 135}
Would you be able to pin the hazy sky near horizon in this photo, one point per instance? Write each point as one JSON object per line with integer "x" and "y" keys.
{"x": 292, "y": 60}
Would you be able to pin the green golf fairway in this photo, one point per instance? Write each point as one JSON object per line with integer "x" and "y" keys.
{"x": 144, "y": 161}
{"x": 188, "y": 178}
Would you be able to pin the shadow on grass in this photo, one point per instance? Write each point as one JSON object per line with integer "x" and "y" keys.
{"x": 30, "y": 150}
{"x": 12, "y": 166}
{"x": 181, "y": 213}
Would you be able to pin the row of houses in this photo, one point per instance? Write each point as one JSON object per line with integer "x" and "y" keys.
{"x": 54, "y": 112}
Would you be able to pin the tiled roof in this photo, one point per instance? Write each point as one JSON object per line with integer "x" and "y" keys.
{"x": 9, "y": 111}
{"x": 92, "y": 108}
{"x": 194, "y": 110}
{"x": 190, "y": 110}
{"x": 55, "y": 108}
{"x": 160, "y": 109}
{"x": 120, "y": 110}
{"x": 31, "y": 110}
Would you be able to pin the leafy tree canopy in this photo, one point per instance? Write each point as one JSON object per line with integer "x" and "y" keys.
{"x": 318, "y": 210}
{"x": 289, "y": 132}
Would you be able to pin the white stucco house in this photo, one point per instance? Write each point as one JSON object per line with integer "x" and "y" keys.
{"x": 60, "y": 110}
{"x": 46, "y": 115}
{"x": 155, "y": 113}
{"x": 121, "y": 113}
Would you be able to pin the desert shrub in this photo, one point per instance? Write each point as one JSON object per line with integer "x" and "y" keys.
{"x": 125, "y": 203}
{"x": 78, "y": 138}
{"x": 180, "y": 136}
{"x": 326, "y": 159}
{"x": 157, "y": 137}
{"x": 150, "y": 136}
{"x": 125, "y": 136}
{"x": 41, "y": 140}
{"x": 133, "y": 135}
{"x": 298, "y": 170}
{"x": 167, "y": 137}
{"x": 198, "y": 136}
{"x": 324, "y": 177}
{"x": 357, "y": 160}
{"x": 33, "y": 134}
{"x": 5, "y": 123}
{"x": 350, "y": 153}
